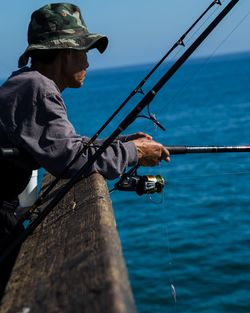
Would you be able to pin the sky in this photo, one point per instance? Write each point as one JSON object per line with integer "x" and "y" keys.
{"x": 139, "y": 31}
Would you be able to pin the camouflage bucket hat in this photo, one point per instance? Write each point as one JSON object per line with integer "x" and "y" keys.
{"x": 60, "y": 26}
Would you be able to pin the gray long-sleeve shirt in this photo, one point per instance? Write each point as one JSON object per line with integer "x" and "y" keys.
{"x": 33, "y": 117}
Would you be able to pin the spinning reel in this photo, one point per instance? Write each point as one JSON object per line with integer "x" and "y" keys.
{"x": 146, "y": 184}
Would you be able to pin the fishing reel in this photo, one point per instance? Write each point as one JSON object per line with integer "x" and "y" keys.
{"x": 146, "y": 184}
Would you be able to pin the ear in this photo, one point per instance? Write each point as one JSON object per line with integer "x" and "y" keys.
{"x": 63, "y": 61}
{"x": 65, "y": 55}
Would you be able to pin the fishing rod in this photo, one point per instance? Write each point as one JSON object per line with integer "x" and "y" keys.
{"x": 16, "y": 238}
{"x": 137, "y": 89}
{"x": 206, "y": 149}
{"x": 149, "y": 184}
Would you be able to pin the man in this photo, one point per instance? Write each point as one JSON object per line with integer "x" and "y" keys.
{"x": 33, "y": 115}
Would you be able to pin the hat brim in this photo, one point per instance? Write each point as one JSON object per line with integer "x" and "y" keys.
{"x": 85, "y": 43}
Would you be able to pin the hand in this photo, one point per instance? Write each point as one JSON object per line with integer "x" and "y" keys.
{"x": 150, "y": 152}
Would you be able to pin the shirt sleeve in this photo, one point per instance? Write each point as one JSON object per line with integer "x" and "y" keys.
{"x": 49, "y": 137}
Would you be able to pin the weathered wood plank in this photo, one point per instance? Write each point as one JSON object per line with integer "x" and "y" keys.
{"x": 73, "y": 262}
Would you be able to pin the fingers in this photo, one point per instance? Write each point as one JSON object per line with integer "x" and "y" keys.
{"x": 144, "y": 135}
{"x": 138, "y": 135}
{"x": 165, "y": 155}
{"x": 150, "y": 152}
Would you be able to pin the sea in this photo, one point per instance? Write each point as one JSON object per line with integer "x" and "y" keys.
{"x": 187, "y": 249}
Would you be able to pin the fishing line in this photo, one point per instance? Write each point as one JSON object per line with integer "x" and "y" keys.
{"x": 196, "y": 31}
{"x": 162, "y": 197}
{"x": 205, "y": 61}
{"x": 171, "y": 284}
{"x": 165, "y": 225}
{"x": 172, "y": 287}
{"x": 177, "y": 53}
{"x": 179, "y": 44}
{"x": 226, "y": 38}
{"x": 229, "y": 35}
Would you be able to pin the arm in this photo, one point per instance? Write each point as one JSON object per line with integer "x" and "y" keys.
{"x": 49, "y": 137}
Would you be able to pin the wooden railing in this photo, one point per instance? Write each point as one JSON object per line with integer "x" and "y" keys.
{"x": 73, "y": 262}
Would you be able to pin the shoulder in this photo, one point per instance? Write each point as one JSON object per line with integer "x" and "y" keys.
{"x": 34, "y": 82}
{"x": 26, "y": 94}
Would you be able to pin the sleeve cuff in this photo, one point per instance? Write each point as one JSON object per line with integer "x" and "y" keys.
{"x": 132, "y": 153}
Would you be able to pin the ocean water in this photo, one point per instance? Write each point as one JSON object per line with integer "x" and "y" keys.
{"x": 187, "y": 250}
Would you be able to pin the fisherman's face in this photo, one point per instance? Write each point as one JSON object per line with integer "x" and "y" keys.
{"x": 74, "y": 68}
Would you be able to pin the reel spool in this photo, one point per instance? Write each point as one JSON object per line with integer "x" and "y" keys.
{"x": 146, "y": 184}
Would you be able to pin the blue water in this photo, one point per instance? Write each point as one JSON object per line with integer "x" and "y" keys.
{"x": 188, "y": 249}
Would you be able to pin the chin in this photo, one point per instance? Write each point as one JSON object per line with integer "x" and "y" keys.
{"x": 77, "y": 84}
